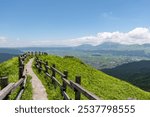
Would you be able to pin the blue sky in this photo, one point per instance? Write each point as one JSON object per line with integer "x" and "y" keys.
{"x": 50, "y": 22}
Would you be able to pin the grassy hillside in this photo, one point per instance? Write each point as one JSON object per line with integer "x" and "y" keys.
{"x": 137, "y": 73}
{"x": 104, "y": 86}
{"x": 10, "y": 69}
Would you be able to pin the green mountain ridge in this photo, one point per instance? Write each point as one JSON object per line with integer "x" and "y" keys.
{"x": 136, "y": 73}
{"x": 8, "y": 53}
{"x": 15, "y": 51}
{"x": 97, "y": 82}
{"x": 6, "y": 56}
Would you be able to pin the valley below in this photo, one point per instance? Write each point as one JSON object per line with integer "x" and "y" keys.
{"x": 126, "y": 62}
{"x": 112, "y": 58}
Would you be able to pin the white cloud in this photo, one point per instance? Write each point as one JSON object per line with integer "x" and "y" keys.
{"x": 136, "y": 36}
{"x": 3, "y": 40}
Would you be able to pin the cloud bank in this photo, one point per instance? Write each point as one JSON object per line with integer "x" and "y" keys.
{"x": 3, "y": 40}
{"x": 139, "y": 35}
{"x": 135, "y": 36}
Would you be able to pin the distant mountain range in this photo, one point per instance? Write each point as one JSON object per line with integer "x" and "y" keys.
{"x": 117, "y": 49}
{"x": 10, "y": 50}
{"x": 137, "y": 73}
{"x": 108, "y": 48}
{"x": 7, "y": 53}
{"x": 105, "y": 49}
{"x": 114, "y": 46}
{"x": 6, "y": 56}
{"x": 103, "y": 46}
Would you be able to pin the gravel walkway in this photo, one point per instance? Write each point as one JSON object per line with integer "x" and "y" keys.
{"x": 39, "y": 92}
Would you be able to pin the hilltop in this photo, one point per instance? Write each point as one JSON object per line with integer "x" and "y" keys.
{"x": 101, "y": 84}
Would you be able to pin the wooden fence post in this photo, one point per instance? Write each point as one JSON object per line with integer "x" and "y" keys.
{"x": 46, "y": 69}
{"x": 21, "y": 67}
{"x": 35, "y": 53}
{"x": 40, "y": 66}
{"x": 19, "y": 60}
{"x": 77, "y": 93}
{"x": 28, "y": 53}
{"x": 54, "y": 75}
{"x": 65, "y": 77}
{"x": 3, "y": 84}
{"x": 21, "y": 71}
{"x": 36, "y": 62}
{"x": 23, "y": 58}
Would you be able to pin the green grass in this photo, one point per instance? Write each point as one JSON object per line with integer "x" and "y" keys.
{"x": 27, "y": 95}
{"x": 97, "y": 82}
{"x": 10, "y": 69}
{"x": 53, "y": 94}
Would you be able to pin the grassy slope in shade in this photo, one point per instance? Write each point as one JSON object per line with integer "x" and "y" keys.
{"x": 10, "y": 69}
{"x": 101, "y": 84}
{"x": 137, "y": 73}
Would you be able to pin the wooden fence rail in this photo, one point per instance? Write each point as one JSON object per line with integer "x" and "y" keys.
{"x": 7, "y": 89}
{"x": 75, "y": 86}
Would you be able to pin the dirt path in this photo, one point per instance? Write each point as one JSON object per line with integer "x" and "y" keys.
{"x": 39, "y": 92}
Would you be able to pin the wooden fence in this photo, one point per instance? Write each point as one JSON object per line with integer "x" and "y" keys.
{"x": 7, "y": 89}
{"x": 75, "y": 86}
{"x": 36, "y": 53}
